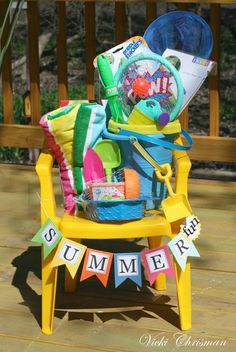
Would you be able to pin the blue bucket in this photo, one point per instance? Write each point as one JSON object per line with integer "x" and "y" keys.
{"x": 150, "y": 186}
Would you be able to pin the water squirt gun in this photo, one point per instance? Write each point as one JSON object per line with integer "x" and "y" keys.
{"x": 110, "y": 88}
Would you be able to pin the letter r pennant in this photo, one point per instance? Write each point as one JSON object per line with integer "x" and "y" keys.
{"x": 157, "y": 261}
{"x": 69, "y": 253}
{"x": 181, "y": 249}
{"x": 97, "y": 263}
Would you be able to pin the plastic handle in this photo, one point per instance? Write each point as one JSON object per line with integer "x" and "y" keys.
{"x": 145, "y": 155}
{"x": 106, "y": 75}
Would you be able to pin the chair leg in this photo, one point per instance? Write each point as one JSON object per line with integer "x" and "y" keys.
{"x": 160, "y": 283}
{"x": 70, "y": 283}
{"x": 183, "y": 286}
{"x": 49, "y": 287}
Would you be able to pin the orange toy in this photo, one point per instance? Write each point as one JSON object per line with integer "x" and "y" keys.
{"x": 132, "y": 186}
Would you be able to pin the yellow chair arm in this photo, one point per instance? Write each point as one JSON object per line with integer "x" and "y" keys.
{"x": 47, "y": 197}
{"x": 182, "y": 167}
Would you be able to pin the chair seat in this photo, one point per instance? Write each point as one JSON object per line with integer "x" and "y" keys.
{"x": 153, "y": 224}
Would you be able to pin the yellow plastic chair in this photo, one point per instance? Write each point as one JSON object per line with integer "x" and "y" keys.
{"x": 79, "y": 228}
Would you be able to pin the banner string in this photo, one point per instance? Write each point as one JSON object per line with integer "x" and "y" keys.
{"x": 42, "y": 206}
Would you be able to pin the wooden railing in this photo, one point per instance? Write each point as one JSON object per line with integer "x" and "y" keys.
{"x": 211, "y": 147}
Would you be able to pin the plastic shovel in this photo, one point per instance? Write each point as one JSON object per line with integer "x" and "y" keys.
{"x": 93, "y": 167}
{"x": 109, "y": 152}
{"x": 176, "y": 206}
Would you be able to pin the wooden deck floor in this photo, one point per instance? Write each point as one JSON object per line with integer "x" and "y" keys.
{"x": 122, "y": 319}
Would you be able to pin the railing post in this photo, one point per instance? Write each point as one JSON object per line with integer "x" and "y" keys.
{"x": 90, "y": 48}
{"x": 214, "y": 79}
{"x": 61, "y": 51}
{"x": 151, "y": 11}
{"x": 33, "y": 57}
{"x": 7, "y": 95}
{"x": 184, "y": 115}
{"x": 120, "y": 33}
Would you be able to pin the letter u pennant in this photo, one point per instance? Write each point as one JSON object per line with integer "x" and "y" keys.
{"x": 69, "y": 253}
{"x": 97, "y": 263}
{"x": 157, "y": 261}
{"x": 127, "y": 266}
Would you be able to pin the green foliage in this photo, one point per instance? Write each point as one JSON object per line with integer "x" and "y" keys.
{"x": 13, "y": 155}
{"x": 19, "y": 117}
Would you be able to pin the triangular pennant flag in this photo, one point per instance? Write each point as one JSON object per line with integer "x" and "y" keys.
{"x": 49, "y": 236}
{"x": 191, "y": 227}
{"x": 69, "y": 253}
{"x": 157, "y": 261}
{"x": 181, "y": 249}
{"x": 97, "y": 263}
{"x": 127, "y": 266}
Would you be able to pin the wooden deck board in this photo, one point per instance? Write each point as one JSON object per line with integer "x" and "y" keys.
{"x": 77, "y": 325}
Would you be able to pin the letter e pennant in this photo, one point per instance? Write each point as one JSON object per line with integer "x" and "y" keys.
{"x": 181, "y": 249}
{"x": 127, "y": 266}
{"x": 49, "y": 236}
{"x": 69, "y": 253}
{"x": 97, "y": 263}
{"x": 157, "y": 261}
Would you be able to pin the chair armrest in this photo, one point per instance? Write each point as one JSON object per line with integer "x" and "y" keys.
{"x": 47, "y": 197}
{"x": 182, "y": 167}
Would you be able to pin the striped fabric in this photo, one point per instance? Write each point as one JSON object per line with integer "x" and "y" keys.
{"x": 85, "y": 122}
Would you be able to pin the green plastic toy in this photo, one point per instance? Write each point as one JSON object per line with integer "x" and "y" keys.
{"x": 110, "y": 88}
{"x": 109, "y": 153}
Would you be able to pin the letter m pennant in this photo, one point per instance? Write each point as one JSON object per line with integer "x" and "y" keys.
{"x": 97, "y": 263}
{"x": 127, "y": 266}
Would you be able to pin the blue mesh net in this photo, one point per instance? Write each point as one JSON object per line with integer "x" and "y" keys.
{"x": 180, "y": 30}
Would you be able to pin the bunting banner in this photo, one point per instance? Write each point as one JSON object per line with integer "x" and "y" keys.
{"x": 97, "y": 263}
{"x": 49, "y": 236}
{"x": 69, "y": 253}
{"x": 157, "y": 261}
{"x": 127, "y": 266}
{"x": 181, "y": 249}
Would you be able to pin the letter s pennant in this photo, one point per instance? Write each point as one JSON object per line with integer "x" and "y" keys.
{"x": 69, "y": 253}
{"x": 97, "y": 263}
{"x": 181, "y": 249}
{"x": 49, "y": 236}
{"x": 157, "y": 261}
